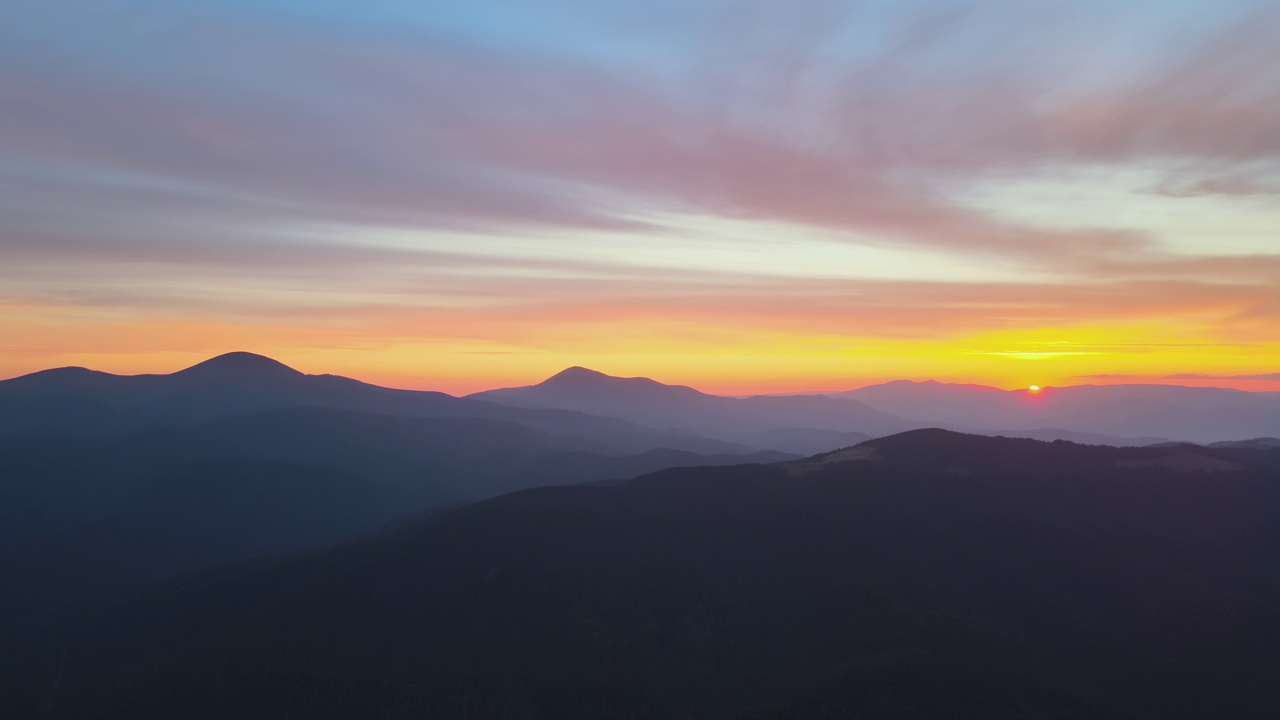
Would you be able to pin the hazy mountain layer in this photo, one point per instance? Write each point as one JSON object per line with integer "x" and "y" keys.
{"x": 1114, "y": 414}
{"x": 653, "y": 404}
{"x": 1121, "y": 414}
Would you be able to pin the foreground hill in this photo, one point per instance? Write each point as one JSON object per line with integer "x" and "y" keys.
{"x": 923, "y": 575}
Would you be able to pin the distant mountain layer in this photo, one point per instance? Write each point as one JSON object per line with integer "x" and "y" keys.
{"x": 923, "y": 575}
{"x": 1119, "y": 413}
{"x": 1114, "y": 415}
{"x": 742, "y": 420}
{"x": 632, "y": 415}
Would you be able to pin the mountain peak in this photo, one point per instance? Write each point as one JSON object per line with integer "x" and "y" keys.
{"x": 239, "y": 364}
{"x": 580, "y": 378}
{"x": 577, "y": 372}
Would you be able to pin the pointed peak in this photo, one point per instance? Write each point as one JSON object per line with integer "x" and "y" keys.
{"x": 577, "y": 372}
{"x": 580, "y": 377}
{"x": 239, "y": 364}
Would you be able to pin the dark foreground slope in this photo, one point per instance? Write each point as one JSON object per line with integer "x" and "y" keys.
{"x": 87, "y": 519}
{"x": 924, "y": 575}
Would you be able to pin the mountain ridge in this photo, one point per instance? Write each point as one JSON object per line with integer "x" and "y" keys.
{"x": 933, "y": 574}
{"x": 79, "y": 400}
{"x": 75, "y": 402}
{"x": 654, "y": 404}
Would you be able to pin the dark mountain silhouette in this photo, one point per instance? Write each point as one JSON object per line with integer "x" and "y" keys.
{"x": 237, "y": 367}
{"x": 923, "y": 575}
{"x": 1123, "y": 414}
{"x": 632, "y": 415}
{"x": 781, "y": 419}
{"x": 85, "y": 518}
{"x": 944, "y": 404}
{"x": 194, "y": 516}
{"x": 75, "y": 401}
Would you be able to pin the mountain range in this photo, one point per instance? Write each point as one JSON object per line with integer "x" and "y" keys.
{"x": 631, "y": 415}
{"x": 175, "y": 472}
{"x": 748, "y": 420}
{"x": 239, "y": 505}
{"x": 76, "y": 401}
{"x": 1128, "y": 414}
{"x": 1110, "y": 414}
{"x": 927, "y": 574}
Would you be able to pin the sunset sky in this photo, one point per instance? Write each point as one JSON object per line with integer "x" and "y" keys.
{"x": 744, "y": 196}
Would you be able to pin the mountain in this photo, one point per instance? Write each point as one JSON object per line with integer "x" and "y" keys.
{"x": 182, "y": 497}
{"x": 943, "y": 404}
{"x": 633, "y": 415}
{"x": 76, "y": 401}
{"x": 110, "y": 484}
{"x": 927, "y": 574}
{"x": 193, "y": 516}
{"x": 87, "y": 518}
{"x": 1124, "y": 414}
{"x": 1199, "y": 415}
{"x": 803, "y": 418}
{"x": 1111, "y": 414}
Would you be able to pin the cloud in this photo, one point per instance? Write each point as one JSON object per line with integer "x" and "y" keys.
{"x": 192, "y": 171}
{"x": 1231, "y": 184}
{"x": 450, "y": 134}
{"x": 1263, "y": 377}
{"x": 1270, "y": 377}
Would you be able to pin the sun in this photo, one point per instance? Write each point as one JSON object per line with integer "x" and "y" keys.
{"x": 1034, "y": 388}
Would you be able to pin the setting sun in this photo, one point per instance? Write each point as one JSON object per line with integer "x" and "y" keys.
{"x": 1035, "y": 388}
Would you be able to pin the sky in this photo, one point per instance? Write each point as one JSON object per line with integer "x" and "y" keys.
{"x": 741, "y": 195}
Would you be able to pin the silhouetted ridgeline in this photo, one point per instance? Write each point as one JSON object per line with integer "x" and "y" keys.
{"x": 771, "y": 418}
{"x": 927, "y": 574}
{"x": 75, "y": 401}
{"x": 217, "y": 543}
{"x": 1118, "y": 415}
{"x": 110, "y": 484}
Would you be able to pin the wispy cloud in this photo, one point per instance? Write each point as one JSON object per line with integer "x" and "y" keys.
{"x": 1263, "y": 377}
{"x": 251, "y": 165}
{"x": 1205, "y": 376}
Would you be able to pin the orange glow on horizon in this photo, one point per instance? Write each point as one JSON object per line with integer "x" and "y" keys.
{"x": 725, "y": 357}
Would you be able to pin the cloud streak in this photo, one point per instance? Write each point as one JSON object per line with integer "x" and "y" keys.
{"x": 379, "y": 169}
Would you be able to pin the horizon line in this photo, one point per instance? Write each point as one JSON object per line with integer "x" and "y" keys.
{"x": 1167, "y": 380}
